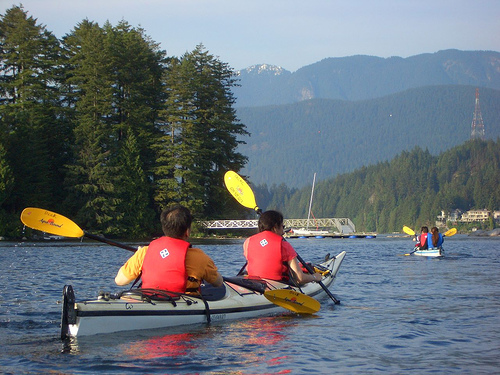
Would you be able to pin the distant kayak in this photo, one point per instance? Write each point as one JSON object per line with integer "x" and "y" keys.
{"x": 432, "y": 252}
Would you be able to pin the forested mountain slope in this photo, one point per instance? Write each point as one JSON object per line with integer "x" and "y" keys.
{"x": 289, "y": 143}
{"x": 411, "y": 189}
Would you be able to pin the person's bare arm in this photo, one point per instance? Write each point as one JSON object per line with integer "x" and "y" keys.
{"x": 302, "y": 277}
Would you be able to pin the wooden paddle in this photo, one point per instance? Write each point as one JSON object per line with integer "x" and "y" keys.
{"x": 243, "y": 193}
{"x": 59, "y": 225}
{"x": 411, "y": 232}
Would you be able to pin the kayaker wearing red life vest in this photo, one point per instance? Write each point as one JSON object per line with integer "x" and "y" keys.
{"x": 269, "y": 256}
{"x": 169, "y": 262}
{"x": 422, "y": 239}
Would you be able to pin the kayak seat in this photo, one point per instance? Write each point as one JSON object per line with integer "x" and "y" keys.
{"x": 213, "y": 293}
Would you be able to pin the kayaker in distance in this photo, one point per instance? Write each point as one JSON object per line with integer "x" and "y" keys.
{"x": 169, "y": 262}
{"x": 435, "y": 239}
{"x": 271, "y": 257}
{"x": 422, "y": 239}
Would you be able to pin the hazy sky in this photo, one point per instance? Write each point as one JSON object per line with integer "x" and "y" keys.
{"x": 288, "y": 33}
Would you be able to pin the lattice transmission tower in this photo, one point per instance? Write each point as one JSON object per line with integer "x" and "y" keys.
{"x": 477, "y": 127}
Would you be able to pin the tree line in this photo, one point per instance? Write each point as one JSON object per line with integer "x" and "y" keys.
{"x": 103, "y": 127}
{"x": 412, "y": 189}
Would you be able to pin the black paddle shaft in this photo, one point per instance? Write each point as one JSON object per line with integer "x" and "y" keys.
{"x": 311, "y": 271}
{"x": 108, "y": 241}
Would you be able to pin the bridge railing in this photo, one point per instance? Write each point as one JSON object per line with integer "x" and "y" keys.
{"x": 228, "y": 224}
{"x": 342, "y": 225}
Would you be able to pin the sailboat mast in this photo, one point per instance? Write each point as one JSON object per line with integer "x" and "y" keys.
{"x": 311, "y": 201}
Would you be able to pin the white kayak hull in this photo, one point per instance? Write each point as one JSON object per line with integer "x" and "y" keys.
{"x": 433, "y": 252}
{"x": 131, "y": 312}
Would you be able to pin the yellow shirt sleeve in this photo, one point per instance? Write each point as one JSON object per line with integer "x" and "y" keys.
{"x": 200, "y": 266}
{"x": 133, "y": 267}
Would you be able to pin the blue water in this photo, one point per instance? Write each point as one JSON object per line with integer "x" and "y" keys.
{"x": 398, "y": 314}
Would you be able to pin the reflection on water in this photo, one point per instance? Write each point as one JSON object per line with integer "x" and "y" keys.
{"x": 161, "y": 346}
{"x": 248, "y": 343}
{"x": 261, "y": 331}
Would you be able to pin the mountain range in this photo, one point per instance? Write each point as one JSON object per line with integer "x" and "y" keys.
{"x": 340, "y": 114}
{"x": 366, "y": 77}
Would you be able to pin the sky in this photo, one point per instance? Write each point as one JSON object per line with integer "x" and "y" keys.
{"x": 287, "y": 33}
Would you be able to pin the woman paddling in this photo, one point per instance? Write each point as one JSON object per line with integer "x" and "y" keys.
{"x": 269, "y": 256}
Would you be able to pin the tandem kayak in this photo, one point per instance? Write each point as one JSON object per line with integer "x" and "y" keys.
{"x": 139, "y": 309}
{"x": 432, "y": 252}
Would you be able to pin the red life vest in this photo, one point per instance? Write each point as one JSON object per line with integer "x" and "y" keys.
{"x": 264, "y": 256}
{"x": 164, "y": 265}
{"x": 423, "y": 240}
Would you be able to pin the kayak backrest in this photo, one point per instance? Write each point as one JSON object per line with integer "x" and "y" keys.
{"x": 256, "y": 285}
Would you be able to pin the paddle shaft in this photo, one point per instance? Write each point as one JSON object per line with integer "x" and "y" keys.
{"x": 311, "y": 271}
{"x": 109, "y": 242}
{"x": 412, "y": 251}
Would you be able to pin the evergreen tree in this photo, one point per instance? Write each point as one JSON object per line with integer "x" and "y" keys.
{"x": 138, "y": 66}
{"x": 6, "y": 176}
{"x": 134, "y": 190}
{"x": 6, "y": 186}
{"x": 199, "y": 134}
{"x": 115, "y": 75}
{"x": 34, "y": 131}
{"x": 91, "y": 176}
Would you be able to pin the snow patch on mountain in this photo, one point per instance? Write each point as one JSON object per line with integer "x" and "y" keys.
{"x": 263, "y": 69}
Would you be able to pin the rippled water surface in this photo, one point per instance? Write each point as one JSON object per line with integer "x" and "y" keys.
{"x": 398, "y": 314}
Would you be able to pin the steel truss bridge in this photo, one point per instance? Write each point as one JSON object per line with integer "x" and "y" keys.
{"x": 342, "y": 225}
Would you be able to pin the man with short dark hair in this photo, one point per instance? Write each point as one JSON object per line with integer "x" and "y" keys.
{"x": 169, "y": 262}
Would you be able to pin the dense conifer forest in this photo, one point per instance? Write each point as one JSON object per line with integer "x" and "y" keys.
{"x": 411, "y": 189}
{"x": 107, "y": 130}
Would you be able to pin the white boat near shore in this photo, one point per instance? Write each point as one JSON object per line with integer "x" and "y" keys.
{"x": 308, "y": 232}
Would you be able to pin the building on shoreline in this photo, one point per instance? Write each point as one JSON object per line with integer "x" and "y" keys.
{"x": 471, "y": 216}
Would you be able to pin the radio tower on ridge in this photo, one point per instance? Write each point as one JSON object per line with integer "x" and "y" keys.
{"x": 477, "y": 127}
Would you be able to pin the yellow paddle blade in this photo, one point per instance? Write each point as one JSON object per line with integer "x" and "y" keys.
{"x": 450, "y": 232}
{"x": 240, "y": 190}
{"x": 408, "y": 230}
{"x": 293, "y": 301}
{"x": 50, "y": 222}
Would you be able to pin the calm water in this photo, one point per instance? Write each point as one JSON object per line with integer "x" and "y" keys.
{"x": 398, "y": 314}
